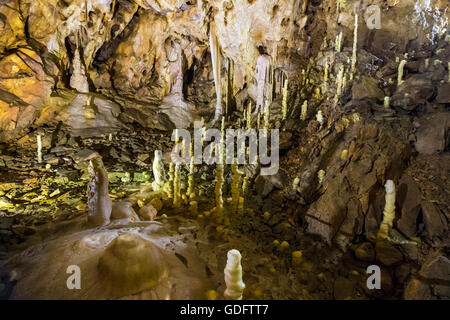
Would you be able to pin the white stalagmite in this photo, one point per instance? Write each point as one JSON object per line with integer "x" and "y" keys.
{"x": 158, "y": 169}
{"x": 284, "y": 105}
{"x": 339, "y": 83}
{"x": 401, "y": 66}
{"x": 177, "y": 186}
{"x": 215, "y": 57}
{"x": 304, "y": 110}
{"x": 389, "y": 210}
{"x": 338, "y": 42}
{"x": 263, "y": 75}
{"x": 386, "y": 102}
{"x": 233, "y": 276}
{"x": 355, "y": 45}
{"x": 267, "y": 114}
{"x": 319, "y": 117}
{"x": 39, "y": 148}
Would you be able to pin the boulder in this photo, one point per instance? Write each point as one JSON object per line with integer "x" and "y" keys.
{"x": 123, "y": 210}
{"x": 148, "y": 212}
{"x": 413, "y": 92}
{"x": 433, "y": 135}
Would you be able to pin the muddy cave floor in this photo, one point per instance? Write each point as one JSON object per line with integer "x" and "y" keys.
{"x": 43, "y": 230}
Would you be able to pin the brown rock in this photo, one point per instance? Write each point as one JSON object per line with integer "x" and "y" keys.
{"x": 148, "y": 213}
{"x": 387, "y": 254}
{"x": 435, "y": 224}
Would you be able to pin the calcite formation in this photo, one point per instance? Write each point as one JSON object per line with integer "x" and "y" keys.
{"x": 99, "y": 202}
{"x": 130, "y": 265}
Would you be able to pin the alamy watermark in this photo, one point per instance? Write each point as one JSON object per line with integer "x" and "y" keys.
{"x": 246, "y": 146}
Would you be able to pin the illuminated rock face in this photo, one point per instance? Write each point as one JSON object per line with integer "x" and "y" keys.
{"x": 130, "y": 265}
{"x": 132, "y": 49}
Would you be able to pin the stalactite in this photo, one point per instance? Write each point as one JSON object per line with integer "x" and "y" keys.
{"x": 401, "y": 66}
{"x": 263, "y": 74}
{"x": 304, "y": 111}
{"x": 284, "y": 104}
{"x": 216, "y": 62}
{"x": 78, "y": 80}
{"x": 389, "y": 210}
{"x": 39, "y": 148}
{"x": 233, "y": 276}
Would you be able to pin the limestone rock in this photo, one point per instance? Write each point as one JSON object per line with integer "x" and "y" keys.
{"x": 413, "y": 92}
{"x": 148, "y": 212}
{"x": 387, "y": 254}
{"x": 433, "y": 135}
{"x": 130, "y": 265}
{"x": 123, "y": 210}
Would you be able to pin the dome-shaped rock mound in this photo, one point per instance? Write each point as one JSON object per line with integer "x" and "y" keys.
{"x": 130, "y": 265}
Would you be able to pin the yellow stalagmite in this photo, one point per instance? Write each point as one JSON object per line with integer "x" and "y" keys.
{"x": 235, "y": 186}
{"x": 304, "y": 110}
{"x": 401, "y": 66}
{"x": 284, "y": 105}
{"x": 171, "y": 179}
{"x": 177, "y": 186}
{"x": 389, "y": 210}
{"x": 191, "y": 187}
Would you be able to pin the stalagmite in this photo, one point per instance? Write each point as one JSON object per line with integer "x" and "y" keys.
{"x": 338, "y": 44}
{"x": 386, "y": 102}
{"x": 216, "y": 62}
{"x": 389, "y": 210}
{"x": 233, "y": 276}
{"x": 284, "y": 104}
{"x": 218, "y": 192}
{"x": 319, "y": 117}
{"x": 320, "y": 176}
{"x": 267, "y": 114}
{"x": 39, "y": 148}
{"x": 245, "y": 185}
{"x": 158, "y": 169}
{"x": 339, "y": 84}
{"x": 344, "y": 154}
{"x": 401, "y": 66}
{"x": 177, "y": 186}
{"x": 355, "y": 45}
{"x": 263, "y": 76}
{"x": 78, "y": 80}
{"x": 191, "y": 188}
{"x": 170, "y": 191}
{"x": 235, "y": 186}
{"x": 325, "y": 74}
{"x": 249, "y": 116}
{"x": 304, "y": 112}
{"x": 99, "y": 202}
